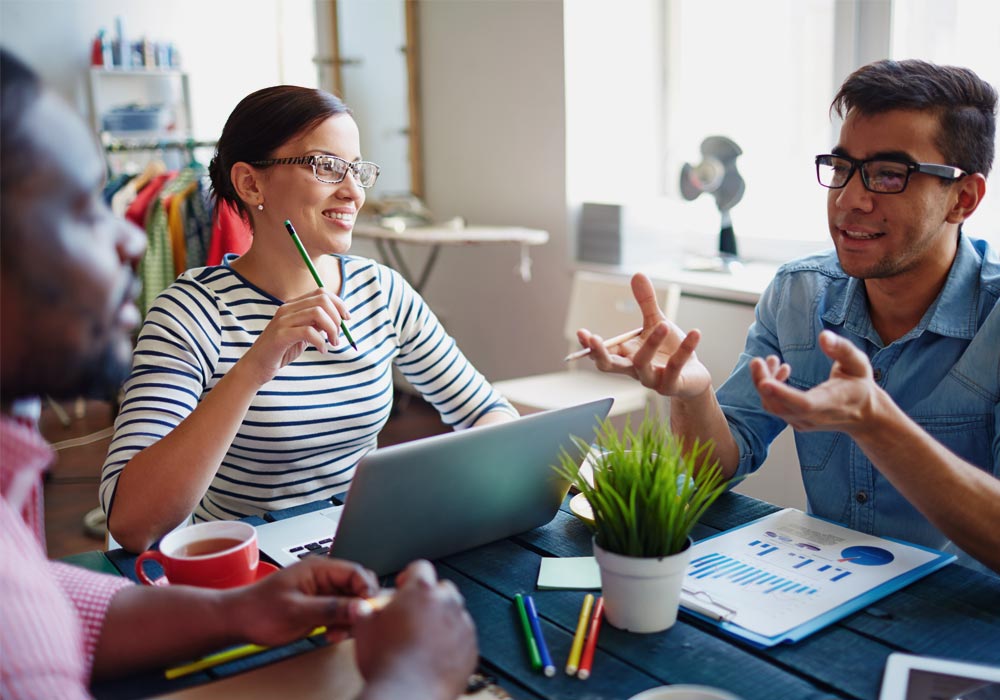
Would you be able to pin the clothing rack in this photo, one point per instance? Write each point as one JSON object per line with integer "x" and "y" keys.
{"x": 154, "y": 144}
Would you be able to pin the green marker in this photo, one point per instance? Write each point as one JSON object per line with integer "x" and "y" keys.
{"x": 319, "y": 281}
{"x": 529, "y": 637}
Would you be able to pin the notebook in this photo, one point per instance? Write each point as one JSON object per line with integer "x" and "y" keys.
{"x": 440, "y": 495}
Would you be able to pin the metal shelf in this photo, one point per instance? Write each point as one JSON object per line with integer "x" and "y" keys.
{"x": 116, "y": 87}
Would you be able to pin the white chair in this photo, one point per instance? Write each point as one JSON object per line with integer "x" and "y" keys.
{"x": 602, "y": 304}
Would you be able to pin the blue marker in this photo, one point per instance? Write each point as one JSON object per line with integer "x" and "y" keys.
{"x": 547, "y": 666}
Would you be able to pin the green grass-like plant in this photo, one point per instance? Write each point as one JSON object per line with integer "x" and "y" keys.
{"x": 648, "y": 492}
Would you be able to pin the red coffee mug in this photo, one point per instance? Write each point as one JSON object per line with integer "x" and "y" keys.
{"x": 219, "y": 554}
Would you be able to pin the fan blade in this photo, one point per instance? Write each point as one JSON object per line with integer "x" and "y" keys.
{"x": 731, "y": 190}
{"x": 707, "y": 176}
{"x": 689, "y": 187}
{"x": 721, "y": 147}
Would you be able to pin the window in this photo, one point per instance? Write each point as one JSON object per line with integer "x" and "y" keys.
{"x": 769, "y": 90}
{"x": 648, "y": 82}
{"x": 963, "y": 33}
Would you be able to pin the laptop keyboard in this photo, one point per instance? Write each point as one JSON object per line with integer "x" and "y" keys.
{"x": 319, "y": 547}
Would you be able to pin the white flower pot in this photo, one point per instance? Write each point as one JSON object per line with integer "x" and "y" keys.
{"x": 641, "y": 595}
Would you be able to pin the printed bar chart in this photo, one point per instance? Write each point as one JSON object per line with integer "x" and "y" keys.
{"x": 720, "y": 566}
{"x": 780, "y": 577}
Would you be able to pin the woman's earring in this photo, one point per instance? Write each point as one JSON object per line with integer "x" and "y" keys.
{"x": 260, "y": 207}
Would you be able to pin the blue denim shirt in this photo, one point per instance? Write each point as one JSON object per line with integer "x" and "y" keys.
{"x": 944, "y": 373}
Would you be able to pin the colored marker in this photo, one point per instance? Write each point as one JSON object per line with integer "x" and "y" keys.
{"x": 529, "y": 638}
{"x": 548, "y": 668}
{"x": 222, "y": 657}
{"x": 573, "y": 662}
{"x": 315, "y": 274}
{"x": 587, "y": 660}
{"x": 374, "y": 604}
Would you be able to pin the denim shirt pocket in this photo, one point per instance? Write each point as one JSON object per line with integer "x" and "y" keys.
{"x": 960, "y": 412}
{"x": 970, "y": 436}
{"x": 816, "y": 448}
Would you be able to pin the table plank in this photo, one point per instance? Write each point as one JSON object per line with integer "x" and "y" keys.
{"x": 919, "y": 619}
{"x": 502, "y": 645}
{"x": 953, "y": 613}
{"x": 687, "y": 653}
{"x": 870, "y": 639}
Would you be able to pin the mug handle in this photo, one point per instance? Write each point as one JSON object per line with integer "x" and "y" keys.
{"x": 149, "y": 554}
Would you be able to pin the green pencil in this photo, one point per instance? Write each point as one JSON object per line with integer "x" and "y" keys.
{"x": 319, "y": 281}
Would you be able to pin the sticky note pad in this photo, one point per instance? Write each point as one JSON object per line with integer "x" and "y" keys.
{"x": 579, "y": 573}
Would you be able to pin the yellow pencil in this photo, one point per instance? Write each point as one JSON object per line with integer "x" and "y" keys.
{"x": 573, "y": 662}
{"x": 222, "y": 657}
{"x": 377, "y": 602}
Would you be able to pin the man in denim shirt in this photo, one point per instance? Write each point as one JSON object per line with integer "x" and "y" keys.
{"x": 883, "y": 355}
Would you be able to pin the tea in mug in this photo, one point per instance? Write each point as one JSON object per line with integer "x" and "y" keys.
{"x": 211, "y": 545}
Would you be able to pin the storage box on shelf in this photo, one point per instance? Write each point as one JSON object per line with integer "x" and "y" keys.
{"x": 149, "y": 103}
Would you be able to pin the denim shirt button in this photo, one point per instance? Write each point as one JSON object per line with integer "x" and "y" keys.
{"x": 861, "y": 497}
{"x": 877, "y": 374}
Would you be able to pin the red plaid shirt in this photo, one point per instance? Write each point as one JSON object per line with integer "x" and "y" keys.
{"x": 51, "y": 613}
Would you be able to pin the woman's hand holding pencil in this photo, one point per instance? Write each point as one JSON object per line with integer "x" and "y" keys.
{"x": 309, "y": 320}
{"x": 315, "y": 319}
{"x": 319, "y": 280}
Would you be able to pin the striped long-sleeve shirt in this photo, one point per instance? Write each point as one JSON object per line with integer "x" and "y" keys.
{"x": 307, "y": 428}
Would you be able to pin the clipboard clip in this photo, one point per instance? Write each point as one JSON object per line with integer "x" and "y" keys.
{"x": 699, "y": 602}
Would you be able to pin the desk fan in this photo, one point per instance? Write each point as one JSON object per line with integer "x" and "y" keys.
{"x": 717, "y": 175}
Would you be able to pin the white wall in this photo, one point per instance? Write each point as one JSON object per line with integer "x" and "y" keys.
{"x": 229, "y": 47}
{"x": 492, "y": 105}
{"x": 493, "y": 119}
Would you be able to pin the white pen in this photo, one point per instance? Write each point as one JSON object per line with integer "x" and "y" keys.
{"x": 692, "y": 603}
{"x": 609, "y": 343}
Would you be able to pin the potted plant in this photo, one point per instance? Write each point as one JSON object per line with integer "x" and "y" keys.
{"x": 646, "y": 493}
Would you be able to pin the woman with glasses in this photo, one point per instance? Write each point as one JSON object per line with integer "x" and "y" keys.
{"x": 246, "y": 395}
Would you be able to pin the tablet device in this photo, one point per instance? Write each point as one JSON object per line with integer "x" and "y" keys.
{"x": 909, "y": 677}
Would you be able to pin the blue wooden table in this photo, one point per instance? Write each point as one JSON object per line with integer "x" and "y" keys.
{"x": 952, "y": 613}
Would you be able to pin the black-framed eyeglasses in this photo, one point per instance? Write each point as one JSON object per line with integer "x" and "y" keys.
{"x": 330, "y": 169}
{"x": 880, "y": 175}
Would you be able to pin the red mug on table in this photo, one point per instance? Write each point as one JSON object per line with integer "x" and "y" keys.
{"x": 221, "y": 554}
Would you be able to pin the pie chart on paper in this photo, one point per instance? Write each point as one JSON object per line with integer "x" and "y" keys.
{"x": 866, "y": 556}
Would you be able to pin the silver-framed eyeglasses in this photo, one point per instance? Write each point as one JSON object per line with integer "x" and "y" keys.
{"x": 330, "y": 169}
{"x": 879, "y": 175}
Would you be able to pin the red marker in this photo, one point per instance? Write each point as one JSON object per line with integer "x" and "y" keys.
{"x": 587, "y": 660}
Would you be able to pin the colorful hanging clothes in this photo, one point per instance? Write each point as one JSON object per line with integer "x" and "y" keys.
{"x": 230, "y": 234}
{"x": 114, "y": 184}
{"x": 123, "y": 198}
{"x": 175, "y": 226}
{"x": 157, "y": 267}
{"x": 139, "y": 208}
{"x": 198, "y": 223}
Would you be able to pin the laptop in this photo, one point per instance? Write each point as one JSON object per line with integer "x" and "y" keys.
{"x": 440, "y": 495}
